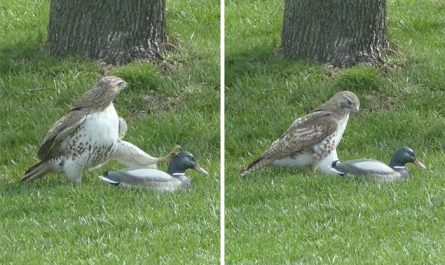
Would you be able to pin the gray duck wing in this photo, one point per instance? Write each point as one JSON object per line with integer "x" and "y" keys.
{"x": 140, "y": 176}
{"x": 364, "y": 167}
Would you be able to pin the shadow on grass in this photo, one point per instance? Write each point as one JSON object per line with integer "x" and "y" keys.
{"x": 33, "y": 57}
{"x": 24, "y": 56}
{"x": 262, "y": 61}
{"x": 32, "y": 191}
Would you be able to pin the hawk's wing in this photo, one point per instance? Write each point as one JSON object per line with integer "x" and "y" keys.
{"x": 123, "y": 127}
{"x": 302, "y": 134}
{"x": 59, "y": 132}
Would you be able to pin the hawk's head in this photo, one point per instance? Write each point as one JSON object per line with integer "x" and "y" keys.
{"x": 348, "y": 101}
{"x": 103, "y": 93}
{"x": 110, "y": 86}
{"x": 343, "y": 101}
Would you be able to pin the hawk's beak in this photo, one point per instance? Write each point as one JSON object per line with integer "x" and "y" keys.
{"x": 356, "y": 108}
{"x": 201, "y": 170}
{"x": 419, "y": 164}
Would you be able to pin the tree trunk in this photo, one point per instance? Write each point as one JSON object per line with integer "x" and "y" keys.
{"x": 115, "y": 31}
{"x": 339, "y": 32}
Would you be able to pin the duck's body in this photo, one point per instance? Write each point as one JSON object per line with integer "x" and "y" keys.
{"x": 147, "y": 177}
{"x": 369, "y": 167}
{"x": 172, "y": 180}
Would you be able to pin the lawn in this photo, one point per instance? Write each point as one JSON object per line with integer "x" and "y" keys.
{"x": 291, "y": 216}
{"x": 51, "y": 221}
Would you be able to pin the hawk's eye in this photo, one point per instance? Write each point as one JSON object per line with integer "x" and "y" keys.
{"x": 120, "y": 83}
{"x": 350, "y": 102}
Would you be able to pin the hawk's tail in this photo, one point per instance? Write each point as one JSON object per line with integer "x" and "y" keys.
{"x": 39, "y": 170}
{"x": 257, "y": 164}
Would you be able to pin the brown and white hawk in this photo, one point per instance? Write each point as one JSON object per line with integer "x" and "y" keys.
{"x": 312, "y": 139}
{"x": 88, "y": 135}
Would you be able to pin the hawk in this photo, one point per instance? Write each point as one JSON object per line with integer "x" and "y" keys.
{"x": 88, "y": 135}
{"x": 312, "y": 139}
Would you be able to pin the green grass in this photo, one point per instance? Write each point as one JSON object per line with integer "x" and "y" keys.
{"x": 290, "y": 216}
{"x": 53, "y": 222}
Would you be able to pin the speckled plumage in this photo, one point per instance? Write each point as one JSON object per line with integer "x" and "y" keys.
{"x": 312, "y": 139}
{"x": 87, "y": 136}
{"x": 123, "y": 127}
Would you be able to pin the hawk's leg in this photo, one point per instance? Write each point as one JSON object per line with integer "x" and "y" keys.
{"x": 132, "y": 156}
{"x": 314, "y": 168}
{"x": 325, "y": 164}
{"x": 73, "y": 171}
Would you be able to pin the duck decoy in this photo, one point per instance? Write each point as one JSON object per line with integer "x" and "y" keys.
{"x": 172, "y": 180}
{"x": 369, "y": 167}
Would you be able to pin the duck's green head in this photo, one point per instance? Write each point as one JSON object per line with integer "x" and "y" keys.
{"x": 403, "y": 156}
{"x": 182, "y": 161}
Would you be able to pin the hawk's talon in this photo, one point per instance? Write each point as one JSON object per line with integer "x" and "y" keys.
{"x": 175, "y": 151}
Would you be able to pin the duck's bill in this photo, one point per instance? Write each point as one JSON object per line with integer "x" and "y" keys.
{"x": 419, "y": 164}
{"x": 201, "y": 170}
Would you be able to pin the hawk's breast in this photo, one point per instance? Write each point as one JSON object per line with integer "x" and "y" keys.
{"x": 103, "y": 127}
{"x": 330, "y": 143}
{"x": 338, "y": 134}
{"x": 93, "y": 142}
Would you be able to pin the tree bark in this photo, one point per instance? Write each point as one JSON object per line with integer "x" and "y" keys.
{"x": 338, "y": 32}
{"x": 115, "y": 31}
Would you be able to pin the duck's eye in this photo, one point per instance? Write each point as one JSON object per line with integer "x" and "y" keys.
{"x": 411, "y": 154}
